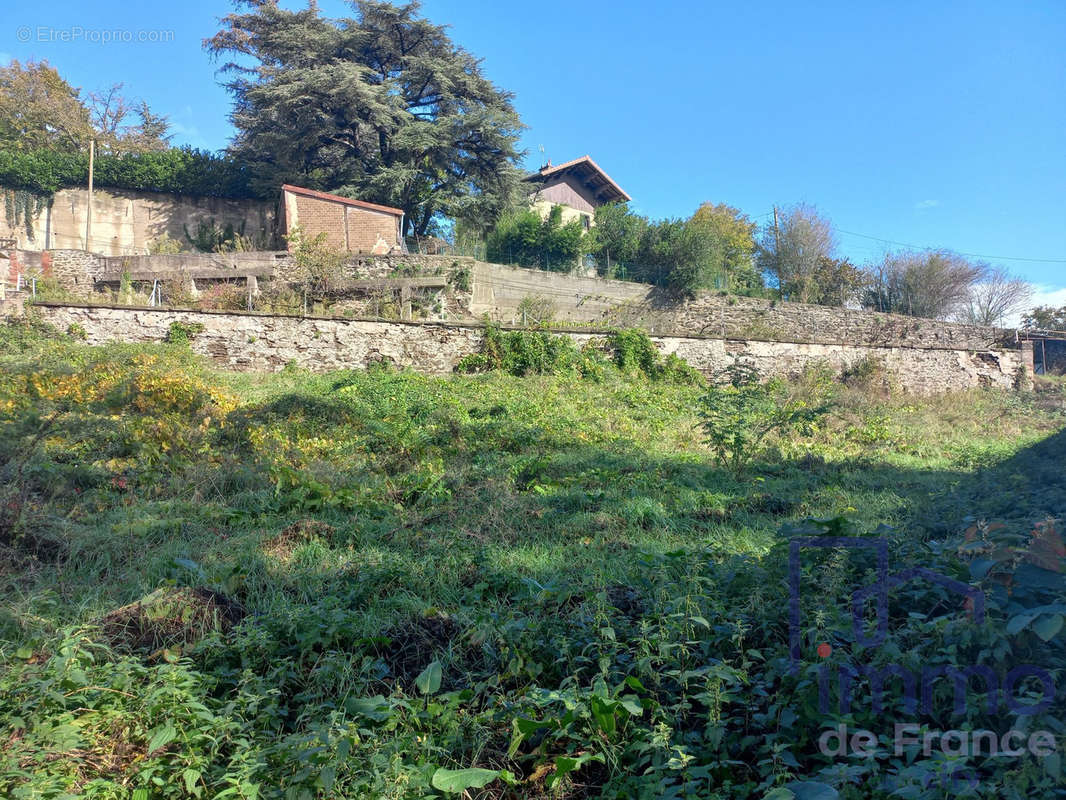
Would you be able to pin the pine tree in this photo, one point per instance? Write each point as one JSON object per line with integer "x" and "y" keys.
{"x": 383, "y": 107}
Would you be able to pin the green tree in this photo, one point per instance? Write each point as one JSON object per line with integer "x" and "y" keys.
{"x": 39, "y": 110}
{"x": 791, "y": 250}
{"x": 616, "y": 236}
{"x": 836, "y": 282}
{"x": 1045, "y": 318}
{"x": 522, "y": 237}
{"x": 735, "y": 234}
{"x": 382, "y": 106}
{"x": 683, "y": 256}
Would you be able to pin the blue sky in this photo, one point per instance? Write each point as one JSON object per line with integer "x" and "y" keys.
{"x": 932, "y": 124}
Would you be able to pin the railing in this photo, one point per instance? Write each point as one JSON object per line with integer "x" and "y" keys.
{"x": 21, "y": 283}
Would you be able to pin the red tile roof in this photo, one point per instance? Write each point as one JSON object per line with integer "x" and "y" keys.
{"x": 599, "y": 181}
{"x": 336, "y": 198}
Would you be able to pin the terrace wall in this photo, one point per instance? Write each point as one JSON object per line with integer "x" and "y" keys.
{"x": 259, "y": 342}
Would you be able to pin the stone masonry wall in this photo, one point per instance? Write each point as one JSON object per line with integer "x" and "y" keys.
{"x": 498, "y": 292}
{"x": 75, "y": 269}
{"x": 242, "y": 341}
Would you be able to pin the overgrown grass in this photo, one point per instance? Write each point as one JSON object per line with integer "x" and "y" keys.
{"x": 606, "y": 607}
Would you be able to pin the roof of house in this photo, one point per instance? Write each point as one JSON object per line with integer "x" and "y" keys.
{"x": 336, "y": 198}
{"x": 590, "y": 175}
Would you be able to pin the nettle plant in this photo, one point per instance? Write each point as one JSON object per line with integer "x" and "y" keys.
{"x": 741, "y": 411}
{"x": 1025, "y": 572}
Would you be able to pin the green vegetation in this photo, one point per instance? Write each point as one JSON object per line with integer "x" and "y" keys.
{"x": 739, "y": 414}
{"x": 382, "y": 584}
{"x": 183, "y": 171}
{"x": 525, "y": 352}
{"x": 523, "y": 238}
{"x": 412, "y": 121}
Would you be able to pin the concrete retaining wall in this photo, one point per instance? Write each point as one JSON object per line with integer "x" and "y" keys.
{"x": 127, "y": 222}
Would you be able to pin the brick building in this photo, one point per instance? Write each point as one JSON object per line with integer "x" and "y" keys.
{"x": 352, "y": 225}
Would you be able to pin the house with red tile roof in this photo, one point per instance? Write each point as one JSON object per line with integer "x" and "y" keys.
{"x": 579, "y": 187}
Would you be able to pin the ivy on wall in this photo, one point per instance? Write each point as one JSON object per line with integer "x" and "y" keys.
{"x": 22, "y": 206}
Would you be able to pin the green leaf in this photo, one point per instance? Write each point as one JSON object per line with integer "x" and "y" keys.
{"x": 191, "y": 778}
{"x": 25, "y": 653}
{"x": 161, "y": 737}
{"x": 429, "y": 681}
{"x": 140, "y": 794}
{"x": 376, "y": 707}
{"x": 631, "y": 703}
{"x": 1020, "y": 623}
{"x": 567, "y": 764}
{"x": 328, "y": 777}
{"x": 459, "y": 780}
{"x": 779, "y": 793}
{"x": 1047, "y": 626}
{"x": 812, "y": 790}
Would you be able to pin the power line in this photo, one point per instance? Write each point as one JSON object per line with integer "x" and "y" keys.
{"x": 971, "y": 255}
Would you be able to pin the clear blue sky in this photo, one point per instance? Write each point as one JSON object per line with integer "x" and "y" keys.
{"x": 934, "y": 124}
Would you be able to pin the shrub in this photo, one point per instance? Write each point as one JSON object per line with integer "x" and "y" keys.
{"x": 182, "y": 333}
{"x": 521, "y": 353}
{"x": 165, "y": 245}
{"x": 175, "y": 171}
{"x": 740, "y": 411}
{"x": 539, "y": 352}
{"x": 867, "y": 373}
{"x": 525, "y": 239}
{"x": 460, "y": 280}
{"x": 224, "y": 297}
{"x": 319, "y": 266}
{"x": 634, "y": 351}
{"x": 536, "y": 310}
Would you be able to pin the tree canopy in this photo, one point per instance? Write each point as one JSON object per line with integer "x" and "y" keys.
{"x": 735, "y": 234}
{"x": 710, "y": 250}
{"x": 794, "y": 251}
{"x": 382, "y": 106}
{"x": 522, "y": 237}
{"x": 935, "y": 284}
{"x": 1047, "y": 318}
{"x": 39, "y": 110}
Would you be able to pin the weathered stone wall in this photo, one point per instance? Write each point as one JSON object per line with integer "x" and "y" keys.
{"x": 260, "y": 342}
{"x": 75, "y": 269}
{"x": 498, "y": 292}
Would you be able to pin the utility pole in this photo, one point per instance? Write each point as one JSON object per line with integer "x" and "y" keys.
{"x": 89, "y": 206}
{"x": 777, "y": 257}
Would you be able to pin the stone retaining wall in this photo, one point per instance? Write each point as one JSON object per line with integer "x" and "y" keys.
{"x": 242, "y": 341}
{"x": 498, "y": 292}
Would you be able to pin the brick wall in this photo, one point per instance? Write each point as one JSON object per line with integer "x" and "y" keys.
{"x": 318, "y": 216}
{"x": 349, "y": 225}
{"x": 367, "y": 229}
